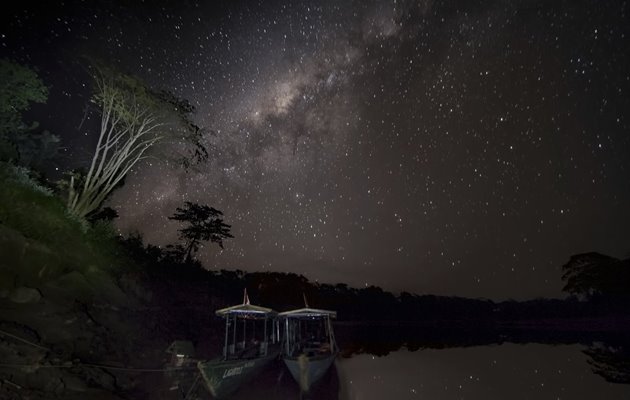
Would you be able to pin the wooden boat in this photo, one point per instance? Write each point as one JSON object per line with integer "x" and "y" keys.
{"x": 309, "y": 346}
{"x": 245, "y": 352}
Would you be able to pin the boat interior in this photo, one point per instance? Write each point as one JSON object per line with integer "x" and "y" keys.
{"x": 249, "y": 337}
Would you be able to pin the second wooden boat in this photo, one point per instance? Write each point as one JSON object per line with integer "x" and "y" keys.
{"x": 309, "y": 346}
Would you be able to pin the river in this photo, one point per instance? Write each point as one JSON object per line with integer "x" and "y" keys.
{"x": 386, "y": 370}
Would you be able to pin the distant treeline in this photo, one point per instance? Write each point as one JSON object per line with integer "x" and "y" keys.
{"x": 186, "y": 284}
{"x": 184, "y": 297}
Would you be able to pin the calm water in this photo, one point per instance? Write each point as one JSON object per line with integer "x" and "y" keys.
{"x": 505, "y": 371}
{"x": 460, "y": 362}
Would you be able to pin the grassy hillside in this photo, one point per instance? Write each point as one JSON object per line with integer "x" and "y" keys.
{"x": 66, "y": 302}
{"x": 39, "y": 241}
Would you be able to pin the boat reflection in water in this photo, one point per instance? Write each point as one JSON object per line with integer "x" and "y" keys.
{"x": 445, "y": 364}
{"x": 251, "y": 342}
{"x": 309, "y": 347}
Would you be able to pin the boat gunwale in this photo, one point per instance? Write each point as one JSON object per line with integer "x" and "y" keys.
{"x": 316, "y": 357}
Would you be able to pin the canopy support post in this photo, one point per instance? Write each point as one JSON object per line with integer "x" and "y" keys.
{"x": 225, "y": 344}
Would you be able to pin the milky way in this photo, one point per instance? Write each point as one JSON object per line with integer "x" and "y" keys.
{"x": 449, "y": 147}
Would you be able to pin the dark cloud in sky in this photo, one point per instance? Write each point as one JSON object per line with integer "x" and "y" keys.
{"x": 448, "y": 147}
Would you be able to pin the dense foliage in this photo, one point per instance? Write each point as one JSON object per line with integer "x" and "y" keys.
{"x": 20, "y": 87}
{"x": 40, "y": 241}
{"x": 23, "y": 143}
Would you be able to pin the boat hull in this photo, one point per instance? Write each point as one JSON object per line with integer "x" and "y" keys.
{"x": 308, "y": 370}
{"x": 224, "y": 377}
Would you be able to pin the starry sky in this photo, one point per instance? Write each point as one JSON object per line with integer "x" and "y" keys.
{"x": 449, "y": 147}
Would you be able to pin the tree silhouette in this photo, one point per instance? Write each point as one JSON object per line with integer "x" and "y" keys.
{"x": 205, "y": 224}
{"x": 590, "y": 274}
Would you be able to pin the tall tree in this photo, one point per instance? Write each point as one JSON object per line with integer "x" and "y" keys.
{"x": 134, "y": 119}
{"x": 204, "y": 224}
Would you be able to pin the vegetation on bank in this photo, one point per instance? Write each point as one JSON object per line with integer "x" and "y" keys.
{"x": 42, "y": 238}
{"x": 41, "y": 241}
{"x": 287, "y": 290}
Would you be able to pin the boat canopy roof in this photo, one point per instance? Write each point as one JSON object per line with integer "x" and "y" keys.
{"x": 246, "y": 311}
{"x": 308, "y": 313}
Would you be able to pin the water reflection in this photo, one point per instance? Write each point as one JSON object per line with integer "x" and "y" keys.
{"x": 276, "y": 383}
{"x": 507, "y": 371}
{"x": 395, "y": 363}
{"x": 611, "y": 361}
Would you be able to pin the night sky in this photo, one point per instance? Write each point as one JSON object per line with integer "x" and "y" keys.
{"x": 449, "y": 147}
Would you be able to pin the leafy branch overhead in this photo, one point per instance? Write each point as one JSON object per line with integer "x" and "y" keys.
{"x": 204, "y": 224}
{"x": 20, "y": 86}
{"x": 21, "y": 142}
